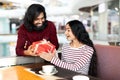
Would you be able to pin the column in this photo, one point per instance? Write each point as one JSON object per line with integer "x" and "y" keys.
{"x": 119, "y": 20}
{"x": 103, "y": 21}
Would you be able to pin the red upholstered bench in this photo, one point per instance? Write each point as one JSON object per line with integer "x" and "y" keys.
{"x": 108, "y": 62}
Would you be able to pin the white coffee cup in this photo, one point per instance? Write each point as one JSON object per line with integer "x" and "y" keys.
{"x": 48, "y": 69}
{"x": 80, "y": 77}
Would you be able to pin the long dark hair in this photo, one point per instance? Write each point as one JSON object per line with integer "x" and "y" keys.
{"x": 31, "y": 14}
{"x": 82, "y": 35}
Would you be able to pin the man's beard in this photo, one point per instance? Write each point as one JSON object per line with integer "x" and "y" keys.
{"x": 40, "y": 28}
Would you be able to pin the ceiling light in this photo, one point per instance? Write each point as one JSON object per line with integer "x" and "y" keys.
{"x": 116, "y": 8}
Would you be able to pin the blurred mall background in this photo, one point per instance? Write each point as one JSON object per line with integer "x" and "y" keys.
{"x": 100, "y": 17}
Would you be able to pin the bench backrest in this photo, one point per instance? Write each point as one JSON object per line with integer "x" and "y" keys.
{"x": 108, "y": 62}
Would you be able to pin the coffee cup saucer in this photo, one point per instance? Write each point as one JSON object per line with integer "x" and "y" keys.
{"x": 52, "y": 73}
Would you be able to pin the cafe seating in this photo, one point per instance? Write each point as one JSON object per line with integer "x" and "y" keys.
{"x": 108, "y": 62}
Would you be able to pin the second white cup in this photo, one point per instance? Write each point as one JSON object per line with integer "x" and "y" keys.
{"x": 80, "y": 77}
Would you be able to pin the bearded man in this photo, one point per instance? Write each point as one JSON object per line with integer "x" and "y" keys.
{"x": 35, "y": 27}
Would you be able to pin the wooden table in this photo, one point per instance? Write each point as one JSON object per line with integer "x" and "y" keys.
{"x": 62, "y": 74}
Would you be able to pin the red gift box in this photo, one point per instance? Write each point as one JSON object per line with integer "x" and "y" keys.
{"x": 42, "y": 46}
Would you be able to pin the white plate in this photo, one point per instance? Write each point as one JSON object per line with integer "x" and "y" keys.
{"x": 54, "y": 72}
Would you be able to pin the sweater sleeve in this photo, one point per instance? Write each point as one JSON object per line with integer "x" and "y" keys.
{"x": 22, "y": 43}
{"x": 78, "y": 63}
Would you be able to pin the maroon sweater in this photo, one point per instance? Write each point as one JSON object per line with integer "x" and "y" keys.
{"x": 27, "y": 38}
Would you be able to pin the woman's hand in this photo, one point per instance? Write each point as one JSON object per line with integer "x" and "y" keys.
{"x": 47, "y": 56}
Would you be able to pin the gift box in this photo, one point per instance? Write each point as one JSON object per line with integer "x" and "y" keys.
{"x": 42, "y": 46}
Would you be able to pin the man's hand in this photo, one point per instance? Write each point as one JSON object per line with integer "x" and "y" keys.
{"x": 30, "y": 51}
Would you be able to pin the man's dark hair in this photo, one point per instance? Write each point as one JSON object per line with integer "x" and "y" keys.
{"x": 81, "y": 34}
{"x": 31, "y": 14}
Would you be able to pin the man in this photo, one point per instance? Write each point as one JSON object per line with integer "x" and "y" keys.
{"x": 35, "y": 27}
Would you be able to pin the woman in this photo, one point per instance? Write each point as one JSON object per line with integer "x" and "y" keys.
{"x": 79, "y": 55}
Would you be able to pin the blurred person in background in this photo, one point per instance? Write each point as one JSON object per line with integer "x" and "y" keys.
{"x": 35, "y": 27}
{"x": 79, "y": 55}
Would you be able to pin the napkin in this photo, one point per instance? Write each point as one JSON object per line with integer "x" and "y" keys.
{"x": 42, "y": 46}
